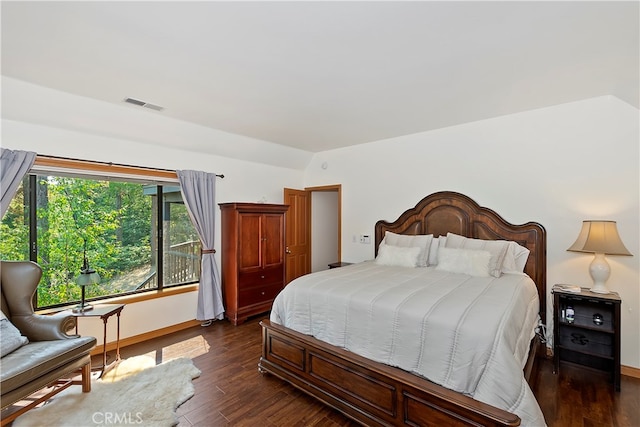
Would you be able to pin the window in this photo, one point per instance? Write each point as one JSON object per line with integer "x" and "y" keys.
{"x": 124, "y": 226}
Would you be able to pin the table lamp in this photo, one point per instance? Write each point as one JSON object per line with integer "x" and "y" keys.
{"x": 600, "y": 238}
{"x": 88, "y": 276}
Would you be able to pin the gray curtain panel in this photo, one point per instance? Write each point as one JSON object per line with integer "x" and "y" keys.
{"x": 13, "y": 165}
{"x": 199, "y": 195}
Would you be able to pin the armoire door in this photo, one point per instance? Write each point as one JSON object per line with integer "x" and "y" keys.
{"x": 272, "y": 235}
{"x": 249, "y": 242}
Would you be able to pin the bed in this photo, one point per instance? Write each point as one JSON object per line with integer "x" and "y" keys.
{"x": 375, "y": 391}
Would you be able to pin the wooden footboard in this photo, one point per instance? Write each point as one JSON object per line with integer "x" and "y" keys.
{"x": 368, "y": 392}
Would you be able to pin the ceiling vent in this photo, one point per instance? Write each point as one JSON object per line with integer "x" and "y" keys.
{"x": 143, "y": 104}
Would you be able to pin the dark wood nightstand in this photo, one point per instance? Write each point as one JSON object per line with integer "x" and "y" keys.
{"x": 586, "y": 330}
{"x": 339, "y": 264}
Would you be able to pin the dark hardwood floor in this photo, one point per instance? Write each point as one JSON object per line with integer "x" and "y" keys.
{"x": 231, "y": 392}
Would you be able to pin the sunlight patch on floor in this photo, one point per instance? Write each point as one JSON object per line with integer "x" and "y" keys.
{"x": 191, "y": 348}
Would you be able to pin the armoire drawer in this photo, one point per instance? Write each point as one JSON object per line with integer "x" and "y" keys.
{"x": 266, "y": 276}
{"x": 259, "y": 294}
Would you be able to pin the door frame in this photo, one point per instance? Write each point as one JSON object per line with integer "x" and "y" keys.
{"x": 329, "y": 188}
{"x": 337, "y": 188}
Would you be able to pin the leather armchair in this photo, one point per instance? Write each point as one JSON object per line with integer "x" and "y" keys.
{"x": 50, "y": 354}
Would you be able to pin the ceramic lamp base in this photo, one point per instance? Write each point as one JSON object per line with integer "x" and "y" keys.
{"x": 600, "y": 271}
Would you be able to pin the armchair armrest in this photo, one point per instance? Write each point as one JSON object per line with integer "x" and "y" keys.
{"x": 38, "y": 327}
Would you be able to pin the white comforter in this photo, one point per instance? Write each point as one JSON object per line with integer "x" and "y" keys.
{"x": 469, "y": 334}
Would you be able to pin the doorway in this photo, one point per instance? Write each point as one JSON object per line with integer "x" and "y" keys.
{"x": 313, "y": 230}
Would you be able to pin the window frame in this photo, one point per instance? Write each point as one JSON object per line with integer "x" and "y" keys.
{"x": 109, "y": 171}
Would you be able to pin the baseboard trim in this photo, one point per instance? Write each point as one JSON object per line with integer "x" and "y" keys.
{"x": 146, "y": 336}
{"x": 630, "y": 371}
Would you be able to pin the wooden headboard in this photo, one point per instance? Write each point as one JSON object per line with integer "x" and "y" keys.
{"x": 448, "y": 211}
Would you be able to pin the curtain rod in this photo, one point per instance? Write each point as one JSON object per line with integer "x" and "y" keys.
{"x": 44, "y": 160}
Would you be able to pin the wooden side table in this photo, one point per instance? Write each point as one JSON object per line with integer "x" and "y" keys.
{"x": 587, "y": 330}
{"x": 339, "y": 264}
{"x": 104, "y": 311}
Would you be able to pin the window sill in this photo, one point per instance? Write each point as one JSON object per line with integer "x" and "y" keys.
{"x": 130, "y": 299}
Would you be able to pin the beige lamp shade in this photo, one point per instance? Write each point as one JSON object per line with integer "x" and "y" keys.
{"x": 599, "y": 237}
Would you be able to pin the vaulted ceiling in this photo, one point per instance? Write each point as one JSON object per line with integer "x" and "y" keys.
{"x": 321, "y": 75}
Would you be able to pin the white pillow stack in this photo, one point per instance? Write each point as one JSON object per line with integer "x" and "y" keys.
{"x": 505, "y": 256}
{"x": 436, "y": 244}
{"x": 516, "y": 258}
{"x": 466, "y": 261}
{"x": 398, "y": 256}
{"x": 497, "y": 249}
{"x": 422, "y": 241}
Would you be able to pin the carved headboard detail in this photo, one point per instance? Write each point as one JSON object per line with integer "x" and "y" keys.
{"x": 448, "y": 211}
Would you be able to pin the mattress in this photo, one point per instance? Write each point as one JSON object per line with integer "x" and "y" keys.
{"x": 469, "y": 334}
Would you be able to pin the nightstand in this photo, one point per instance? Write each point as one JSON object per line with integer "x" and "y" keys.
{"x": 339, "y": 264}
{"x": 586, "y": 330}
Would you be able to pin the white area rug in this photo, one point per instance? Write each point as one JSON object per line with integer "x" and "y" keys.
{"x": 136, "y": 392}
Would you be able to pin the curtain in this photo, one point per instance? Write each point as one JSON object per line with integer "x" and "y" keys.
{"x": 13, "y": 166}
{"x": 199, "y": 195}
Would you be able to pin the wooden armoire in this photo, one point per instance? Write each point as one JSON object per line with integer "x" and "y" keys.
{"x": 253, "y": 257}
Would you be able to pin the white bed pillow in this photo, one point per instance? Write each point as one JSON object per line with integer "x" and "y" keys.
{"x": 466, "y": 261}
{"x": 515, "y": 259}
{"x": 436, "y": 243}
{"x": 423, "y": 241}
{"x": 10, "y": 338}
{"x": 398, "y": 256}
{"x": 497, "y": 248}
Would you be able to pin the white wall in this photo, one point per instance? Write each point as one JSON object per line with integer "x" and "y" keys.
{"x": 557, "y": 166}
{"x": 324, "y": 229}
{"x": 244, "y": 181}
